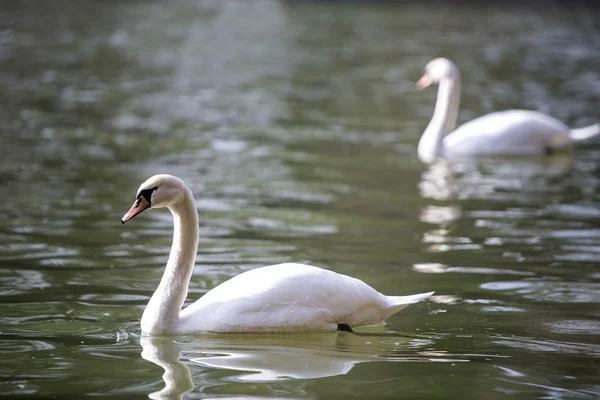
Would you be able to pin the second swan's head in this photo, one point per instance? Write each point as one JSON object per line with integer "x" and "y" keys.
{"x": 435, "y": 71}
{"x": 158, "y": 191}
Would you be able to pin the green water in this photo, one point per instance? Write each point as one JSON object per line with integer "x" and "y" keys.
{"x": 295, "y": 124}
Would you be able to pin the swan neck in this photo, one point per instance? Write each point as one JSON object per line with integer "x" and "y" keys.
{"x": 162, "y": 312}
{"x": 443, "y": 121}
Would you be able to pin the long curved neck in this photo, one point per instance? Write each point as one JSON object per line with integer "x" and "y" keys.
{"x": 162, "y": 312}
{"x": 443, "y": 120}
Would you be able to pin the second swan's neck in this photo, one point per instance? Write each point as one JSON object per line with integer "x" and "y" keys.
{"x": 443, "y": 120}
{"x": 162, "y": 312}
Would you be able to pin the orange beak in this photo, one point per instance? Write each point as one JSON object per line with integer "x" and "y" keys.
{"x": 424, "y": 82}
{"x": 140, "y": 205}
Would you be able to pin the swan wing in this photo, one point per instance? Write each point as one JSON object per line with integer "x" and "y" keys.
{"x": 287, "y": 297}
{"x": 509, "y": 132}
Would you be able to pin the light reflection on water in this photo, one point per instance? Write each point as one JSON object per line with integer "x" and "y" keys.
{"x": 295, "y": 124}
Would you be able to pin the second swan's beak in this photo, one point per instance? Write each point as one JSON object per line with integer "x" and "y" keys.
{"x": 424, "y": 82}
{"x": 140, "y": 205}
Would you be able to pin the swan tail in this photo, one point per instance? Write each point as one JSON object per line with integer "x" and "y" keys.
{"x": 397, "y": 303}
{"x": 580, "y": 134}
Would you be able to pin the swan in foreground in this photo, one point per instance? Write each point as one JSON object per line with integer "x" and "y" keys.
{"x": 277, "y": 298}
{"x": 504, "y": 132}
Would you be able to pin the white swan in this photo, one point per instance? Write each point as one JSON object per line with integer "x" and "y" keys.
{"x": 505, "y": 132}
{"x": 277, "y": 298}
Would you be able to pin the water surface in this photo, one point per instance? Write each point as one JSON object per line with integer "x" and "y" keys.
{"x": 295, "y": 124}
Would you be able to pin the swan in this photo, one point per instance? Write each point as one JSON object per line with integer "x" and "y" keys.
{"x": 518, "y": 132}
{"x": 278, "y": 298}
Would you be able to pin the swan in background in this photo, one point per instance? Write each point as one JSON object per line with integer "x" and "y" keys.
{"x": 277, "y": 298}
{"x": 516, "y": 132}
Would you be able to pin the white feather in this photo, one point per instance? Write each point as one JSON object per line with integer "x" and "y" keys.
{"x": 508, "y": 132}
{"x": 278, "y": 298}
{"x": 289, "y": 297}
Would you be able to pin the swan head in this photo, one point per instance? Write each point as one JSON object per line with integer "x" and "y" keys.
{"x": 158, "y": 191}
{"x": 435, "y": 71}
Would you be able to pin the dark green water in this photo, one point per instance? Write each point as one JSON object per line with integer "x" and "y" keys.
{"x": 295, "y": 124}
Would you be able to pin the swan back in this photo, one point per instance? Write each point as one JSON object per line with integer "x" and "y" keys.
{"x": 290, "y": 297}
{"x": 508, "y": 132}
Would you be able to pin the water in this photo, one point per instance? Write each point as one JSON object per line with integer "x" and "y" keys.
{"x": 295, "y": 124}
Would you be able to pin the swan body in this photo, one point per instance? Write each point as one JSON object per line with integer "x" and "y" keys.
{"x": 509, "y": 132}
{"x": 518, "y": 132}
{"x": 291, "y": 297}
{"x": 278, "y": 298}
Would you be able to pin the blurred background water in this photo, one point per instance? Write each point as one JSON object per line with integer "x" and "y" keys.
{"x": 295, "y": 124}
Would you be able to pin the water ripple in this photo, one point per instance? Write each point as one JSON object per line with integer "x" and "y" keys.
{"x": 549, "y": 291}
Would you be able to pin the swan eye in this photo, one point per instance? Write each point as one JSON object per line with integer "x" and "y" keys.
{"x": 147, "y": 194}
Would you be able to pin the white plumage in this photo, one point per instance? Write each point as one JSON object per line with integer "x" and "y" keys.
{"x": 278, "y": 298}
{"x": 516, "y": 132}
{"x": 290, "y": 297}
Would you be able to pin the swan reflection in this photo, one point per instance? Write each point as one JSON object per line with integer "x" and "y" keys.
{"x": 164, "y": 352}
{"x": 492, "y": 178}
{"x": 307, "y": 356}
{"x": 267, "y": 358}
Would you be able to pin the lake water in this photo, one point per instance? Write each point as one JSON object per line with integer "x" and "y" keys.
{"x": 295, "y": 124}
